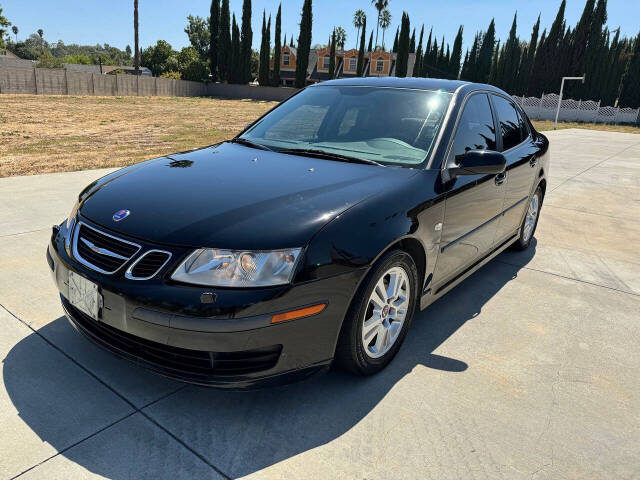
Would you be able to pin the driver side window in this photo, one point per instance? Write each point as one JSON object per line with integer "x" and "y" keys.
{"x": 475, "y": 128}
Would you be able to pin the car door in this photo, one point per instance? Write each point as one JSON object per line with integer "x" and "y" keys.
{"x": 473, "y": 202}
{"x": 517, "y": 146}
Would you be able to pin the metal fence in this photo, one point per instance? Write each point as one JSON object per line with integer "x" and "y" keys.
{"x": 44, "y": 81}
{"x": 544, "y": 108}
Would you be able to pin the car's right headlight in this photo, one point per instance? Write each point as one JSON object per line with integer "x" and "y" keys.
{"x": 238, "y": 268}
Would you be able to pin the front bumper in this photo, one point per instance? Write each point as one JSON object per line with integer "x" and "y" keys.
{"x": 163, "y": 325}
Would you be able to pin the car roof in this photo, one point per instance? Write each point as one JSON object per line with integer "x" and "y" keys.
{"x": 411, "y": 82}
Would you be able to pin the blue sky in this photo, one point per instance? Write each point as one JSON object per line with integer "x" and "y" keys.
{"x": 100, "y": 21}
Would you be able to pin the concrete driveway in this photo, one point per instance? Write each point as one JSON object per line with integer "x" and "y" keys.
{"x": 528, "y": 369}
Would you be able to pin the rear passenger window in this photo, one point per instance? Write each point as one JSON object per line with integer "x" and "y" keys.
{"x": 475, "y": 129}
{"x": 511, "y": 124}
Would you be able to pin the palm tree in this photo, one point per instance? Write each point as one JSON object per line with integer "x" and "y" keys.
{"x": 136, "y": 59}
{"x": 15, "y": 32}
{"x": 385, "y": 22}
{"x": 358, "y": 21}
{"x": 341, "y": 37}
{"x": 380, "y": 6}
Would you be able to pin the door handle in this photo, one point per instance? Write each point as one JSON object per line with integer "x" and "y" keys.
{"x": 533, "y": 162}
{"x": 500, "y": 178}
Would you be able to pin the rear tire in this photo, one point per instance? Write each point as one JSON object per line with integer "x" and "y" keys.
{"x": 529, "y": 222}
{"x": 379, "y": 316}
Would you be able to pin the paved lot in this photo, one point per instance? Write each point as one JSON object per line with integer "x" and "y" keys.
{"x": 529, "y": 369}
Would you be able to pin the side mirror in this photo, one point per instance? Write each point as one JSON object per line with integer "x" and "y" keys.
{"x": 480, "y": 162}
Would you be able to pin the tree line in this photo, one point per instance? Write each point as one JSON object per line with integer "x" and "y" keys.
{"x": 610, "y": 62}
{"x": 220, "y": 50}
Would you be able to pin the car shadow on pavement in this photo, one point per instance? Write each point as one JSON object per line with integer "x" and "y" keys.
{"x": 244, "y": 432}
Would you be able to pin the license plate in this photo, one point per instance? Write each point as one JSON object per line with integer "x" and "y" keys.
{"x": 83, "y": 294}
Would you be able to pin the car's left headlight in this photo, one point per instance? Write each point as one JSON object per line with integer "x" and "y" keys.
{"x": 237, "y": 268}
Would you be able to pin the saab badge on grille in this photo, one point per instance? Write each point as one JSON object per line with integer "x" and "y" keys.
{"x": 120, "y": 215}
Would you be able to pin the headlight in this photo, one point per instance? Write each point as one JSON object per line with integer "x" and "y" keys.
{"x": 235, "y": 268}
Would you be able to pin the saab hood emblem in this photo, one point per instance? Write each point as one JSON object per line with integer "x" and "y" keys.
{"x": 120, "y": 215}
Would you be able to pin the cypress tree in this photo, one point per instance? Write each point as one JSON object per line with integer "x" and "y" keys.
{"x": 579, "y": 46}
{"x": 268, "y": 52}
{"x": 412, "y": 42}
{"x": 485, "y": 53}
{"x": 447, "y": 62}
{"x": 246, "y": 39}
{"x": 472, "y": 65}
{"x": 610, "y": 71}
{"x": 395, "y": 41}
{"x": 426, "y": 59}
{"x": 402, "y": 58}
{"x": 417, "y": 66}
{"x": 493, "y": 72}
{"x": 509, "y": 61}
{"x": 332, "y": 55}
{"x": 224, "y": 42}
{"x": 263, "y": 70}
{"x": 629, "y": 91}
{"x": 370, "y": 47}
{"x": 594, "y": 53}
{"x": 277, "y": 49}
{"x": 291, "y": 42}
{"x": 465, "y": 64}
{"x": 524, "y": 75}
{"x": 304, "y": 44}
{"x": 235, "y": 70}
{"x": 456, "y": 54}
{"x": 434, "y": 58}
{"x": 440, "y": 62}
{"x": 214, "y": 20}
{"x": 360, "y": 67}
{"x": 545, "y": 68}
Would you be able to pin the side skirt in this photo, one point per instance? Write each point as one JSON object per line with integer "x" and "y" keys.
{"x": 439, "y": 291}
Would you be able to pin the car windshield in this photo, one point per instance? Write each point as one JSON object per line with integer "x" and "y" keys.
{"x": 390, "y": 126}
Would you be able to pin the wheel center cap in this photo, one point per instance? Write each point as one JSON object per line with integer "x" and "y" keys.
{"x": 385, "y": 311}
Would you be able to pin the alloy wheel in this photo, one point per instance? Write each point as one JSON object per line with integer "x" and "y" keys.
{"x": 386, "y": 312}
{"x": 530, "y": 219}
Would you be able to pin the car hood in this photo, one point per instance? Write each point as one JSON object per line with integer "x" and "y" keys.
{"x": 232, "y": 196}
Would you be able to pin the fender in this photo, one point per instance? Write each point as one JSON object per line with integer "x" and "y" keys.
{"x": 356, "y": 238}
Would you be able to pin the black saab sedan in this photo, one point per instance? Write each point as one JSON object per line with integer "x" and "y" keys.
{"x": 311, "y": 237}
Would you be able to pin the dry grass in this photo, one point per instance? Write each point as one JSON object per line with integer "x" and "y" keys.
{"x": 40, "y": 134}
{"x": 548, "y": 125}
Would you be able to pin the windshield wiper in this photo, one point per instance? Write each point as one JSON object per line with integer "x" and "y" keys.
{"x": 312, "y": 152}
{"x": 249, "y": 143}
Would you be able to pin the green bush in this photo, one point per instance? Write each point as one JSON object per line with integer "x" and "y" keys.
{"x": 47, "y": 60}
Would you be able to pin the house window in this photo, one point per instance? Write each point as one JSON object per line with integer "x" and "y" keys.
{"x": 379, "y": 65}
{"x": 352, "y": 63}
{"x": 325, "y": 61}
{"x": 285, "y": 59}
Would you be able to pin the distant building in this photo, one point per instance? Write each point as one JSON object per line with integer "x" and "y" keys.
{"x": 6, "y": 53}
{"x": 376, "y": 64}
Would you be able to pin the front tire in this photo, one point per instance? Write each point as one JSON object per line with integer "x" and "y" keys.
{"x": 380, "y": 315}
{"x": 530, "y": 221}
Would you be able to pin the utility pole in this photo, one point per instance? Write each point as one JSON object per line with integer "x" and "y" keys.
{"x": 584, "y": 75}
{"x": 136, "y": 58}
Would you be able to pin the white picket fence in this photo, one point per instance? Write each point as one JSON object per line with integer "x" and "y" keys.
{"x": 544, "y": 108}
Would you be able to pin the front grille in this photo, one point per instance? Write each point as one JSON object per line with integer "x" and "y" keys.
{"x": 175, "y": 359}
{"x": 100, "y": 251}
{"x": 148, "y": 265}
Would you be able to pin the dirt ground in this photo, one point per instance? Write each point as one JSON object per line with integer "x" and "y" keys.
{"x": 41, "y": 134}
